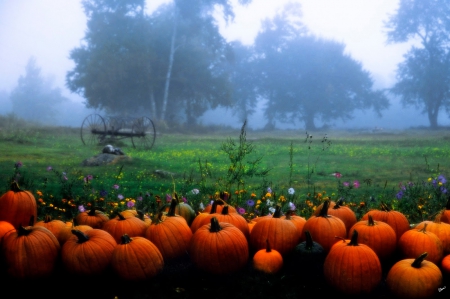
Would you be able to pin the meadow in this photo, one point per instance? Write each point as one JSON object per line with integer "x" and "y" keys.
{"x": 256, "y": 170}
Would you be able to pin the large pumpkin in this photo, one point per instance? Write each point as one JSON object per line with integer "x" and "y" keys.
{"x": 17, "y": 206}
{"x": 440, "y": 229}
{"x": 30, "y": 252}
{"x": 219, "y": 248}
{"x": 234, "y": 218}
{"x": 120, "y": 225}
{"x": 94, "y": 218}
{"x": 88, "y": 253}
{"x": 136, "y": 259}
{"x": 344, "y": 213}
{"x": 352, "y": 268}
{"x": 414, "y": 278}
{"x": 57, "y": 227}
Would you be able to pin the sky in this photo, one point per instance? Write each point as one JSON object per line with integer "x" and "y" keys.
{"x": 50, "y": 29}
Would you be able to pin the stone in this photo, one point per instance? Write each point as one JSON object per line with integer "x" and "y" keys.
{"x": 109, "y": 149}
{"x": 105, "y": 159}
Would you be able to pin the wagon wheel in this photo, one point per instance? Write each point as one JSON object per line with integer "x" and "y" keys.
{"x": 93, "y": 129}
{"x": 143, "y": 133}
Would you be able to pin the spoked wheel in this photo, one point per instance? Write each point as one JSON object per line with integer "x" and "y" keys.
{"x": 143, "y": 133}
{"x": 93, "y": 129}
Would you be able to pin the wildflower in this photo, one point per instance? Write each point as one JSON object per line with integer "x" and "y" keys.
{"x": 269, "y": 190}
{"x": 49, "y": 168}
{"x": 291, "y": 206}
{"x": 139, "y": 198}
{"x": 356, "y": 184}
{"x": 120, "y": 196}
{"x": 272, "y": 210}
{"x": 168, "y": 198}
{"x": 282, "y": 198}
{"x": 18, "y": 164}
{"x": 258, "y": 202}
{"x": 103, "y": 193}
{"x": 195, "y": 191}
{"x": 250, "y": 203}
{"x": 443, "y": 190}
{"x": 201, "y": 206}
{"x": 116, "y": 186}
{"x": 39, "y": 193}
{"x": 399, "y": 194}
{"x": 442, "y": 179}
{"x": 184, "y": 199}
{"x": 346, "y": 184}
{"x": 291, "y": 191}
{"x": 81, "y": 209}
{"x": 337, "y": 175}
{"x": 268, "y": 202}
{"x": 253, "y": 195}
{"x": 130, "y": 204}
{"x": 268, "y": 194}
{"x": 241, "y": 211}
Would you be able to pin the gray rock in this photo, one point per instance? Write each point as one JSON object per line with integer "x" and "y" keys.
{"x": 105, "y": 159}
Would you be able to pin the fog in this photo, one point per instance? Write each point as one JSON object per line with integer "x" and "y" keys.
{"x": 49, "y": 29}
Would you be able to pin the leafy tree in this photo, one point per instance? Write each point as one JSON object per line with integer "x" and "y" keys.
{"x": 424, "y": 75}
{"x": 34, "y": 98}
{"x": 305, "y": 78}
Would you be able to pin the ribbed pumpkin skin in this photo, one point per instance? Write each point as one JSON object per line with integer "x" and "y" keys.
{"x": 130, "y": 225}
{"x": 93, "y": 218}
{"x": 219, "y": 252}
{"x": 345, "y": 214}
{"x": 32, "y": 255}
{"x": 352, "y": 270}
{"x": 298, "y": 221}
{"x": 137, "y": 259}
{"x": 18, "y": 206}
{"x": 445, "y": 264}
{"x": 57, "y": 227}
{"x": 91, "y": 257}
{"x": 395, "y": 219}
{"x": 267, "y": 260}
{"x": 5, "y": 227}
{"x": 377, "y": 235}
{"x": 235, "y": 219}
{"x": 171, "y": 235}
{"x": 406, "y": 281}
{"x": 414, "y": 242}
{"x": 325, "y": 230}
{"x": 440, "y": 229}
{"x": 281, "y": 233}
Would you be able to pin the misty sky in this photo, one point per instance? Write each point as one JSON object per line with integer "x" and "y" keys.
{"x": 49, "y": 29}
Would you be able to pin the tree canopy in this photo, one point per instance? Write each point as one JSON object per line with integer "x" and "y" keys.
{"x": 424, "y": 75}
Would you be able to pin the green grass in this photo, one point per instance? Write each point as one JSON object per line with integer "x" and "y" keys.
{"x": 379, "y": 162}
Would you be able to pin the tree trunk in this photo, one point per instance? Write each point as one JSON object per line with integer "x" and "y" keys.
{"x": 152, "y": 103}
{"x": 432, "y": 117}
{"x": 309, "y": 123}
{"x": 169, "y": 69}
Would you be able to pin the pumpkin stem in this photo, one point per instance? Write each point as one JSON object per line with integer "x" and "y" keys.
{"x": 15, "y": 187}
{"x": 354, "y": 239}
{"x": 418, "y": 261}
{"x": 423, "y": 230}
{"x": 47, "y": 218}
{"x": 125, "y": 239}
{"x": 277, "y": 213}
{"x": 214, "y": 205}
{"x": 268, "y": 249}
{"x": 215, "y": 226}
{"x": 370, "y": 221}
{"x": 140, "y": 214}
{"x": 23, "y": 231}
{"x": 324, "y": 210}
{"x": 119, "y": 214}
{"x": 173, "y": 205}
{"x": 384, "y": 207}
{"x": 309, "y": 240}
{"x": 338, "y": 204}
{"x": 82, "y": 237}
{"x": 92, "y": 211}
{"x": 225, "y": 210}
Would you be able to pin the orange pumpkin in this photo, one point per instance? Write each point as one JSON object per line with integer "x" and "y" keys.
{"x": 30, "y": 252}
{"x": 57, "y": 227}
{"x": 440, "y": 229}
{"x": 219, "y": 248}
{"x": 377, "y": 235}
{"x": 416, "y": 241}
{"x": 325, "y": 228}
{"x": 18, "y": 206}
{"x": 94, "y": 218}
{"x": 344, "y": 213}
{"x": 352, "y": 268}
{"x": 88, "y": 253}
{"x": 445, "y": 213}
{"x": 267, "y": 260}
{"x": 445, "y": 264}
{"x": 234, "y": 218}
{"x": 414, "y": 278}
{"x": 136, "y": 259}
{"x": 120, "y": 225}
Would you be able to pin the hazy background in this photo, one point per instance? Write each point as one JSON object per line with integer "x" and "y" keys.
{"x": 49, "y": 29}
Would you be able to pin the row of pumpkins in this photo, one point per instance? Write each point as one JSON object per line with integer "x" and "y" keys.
{"x": 220, "y": 241}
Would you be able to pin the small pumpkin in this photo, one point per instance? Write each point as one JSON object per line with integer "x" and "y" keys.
{"x": 344, "y": 213}
{"x": 267, "y": 260}
{"x": 352, "y": 268}
{"x": 136, "y": 259}
{"x": 414, "y": 278}
{"x": 57, "y": 227}
{"x": 440, "y": 229}
{"x": 120, "y": 225}
{"x": 95, "y": 218}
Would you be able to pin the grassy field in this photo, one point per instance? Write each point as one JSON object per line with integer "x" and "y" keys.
{"x": 381, "y": 163}
{"x": 375, "y": 166}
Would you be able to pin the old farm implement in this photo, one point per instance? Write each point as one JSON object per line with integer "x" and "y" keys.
{"x": 96, "y": 129}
